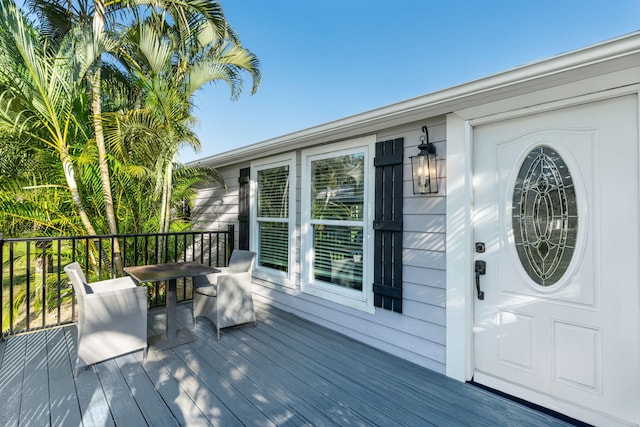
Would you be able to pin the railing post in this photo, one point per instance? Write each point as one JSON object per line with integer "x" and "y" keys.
{"x": 231, "y": 229}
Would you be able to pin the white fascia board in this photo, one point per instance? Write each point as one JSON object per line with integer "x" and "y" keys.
{"x": 518, "y": 81}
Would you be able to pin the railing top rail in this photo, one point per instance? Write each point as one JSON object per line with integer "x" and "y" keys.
{"x": 107, "y": 236}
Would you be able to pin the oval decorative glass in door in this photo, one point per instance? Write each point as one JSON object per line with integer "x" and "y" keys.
{"x": 544, "y": 216}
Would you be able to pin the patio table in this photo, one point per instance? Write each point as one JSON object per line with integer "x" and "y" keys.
{"x": 169, "y": 272}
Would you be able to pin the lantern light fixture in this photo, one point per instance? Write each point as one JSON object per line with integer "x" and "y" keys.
{"x": 424, "y": 168}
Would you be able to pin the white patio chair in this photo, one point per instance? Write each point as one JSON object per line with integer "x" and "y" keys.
{"x": 241, "y": 261}
{"x": 112, "y": 317}
{"x": 225, "y": 298}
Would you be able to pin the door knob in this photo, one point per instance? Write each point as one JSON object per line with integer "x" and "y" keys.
{"x": 481, "y": 268}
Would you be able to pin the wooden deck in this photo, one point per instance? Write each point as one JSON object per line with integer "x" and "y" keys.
{"x": 285, "y": 371}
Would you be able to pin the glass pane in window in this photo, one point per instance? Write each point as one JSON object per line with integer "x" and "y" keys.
{"x": 273, "y": 192}
{"x": 338, "y": 255}
{"x": 273, "y": 247}
{"x": 337, "y": 188}
{"x": 545, "y": 216}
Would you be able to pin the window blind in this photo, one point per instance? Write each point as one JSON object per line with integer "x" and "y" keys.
{"x": 337, "y": 212}
{"x": 272, "y": 218}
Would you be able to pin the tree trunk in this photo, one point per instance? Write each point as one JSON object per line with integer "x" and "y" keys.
{"x": 75, "y": 194}
{"x": 165, "y": 205}
{"x": 96, "y": 109}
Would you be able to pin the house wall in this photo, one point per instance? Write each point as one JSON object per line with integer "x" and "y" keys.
{"x": 436, "y": 329}
{"x": 215, "y": 207}
{"x": 418, "y": 334}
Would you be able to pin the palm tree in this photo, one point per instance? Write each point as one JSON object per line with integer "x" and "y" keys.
{"x": 41, "y": 93}
{"x": 204, "y": 48}
{"x": 98, "y": 18}
{"x": 170, "y": 65}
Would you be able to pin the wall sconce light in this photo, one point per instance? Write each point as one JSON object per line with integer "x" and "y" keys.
{"x": 424, "y": 167}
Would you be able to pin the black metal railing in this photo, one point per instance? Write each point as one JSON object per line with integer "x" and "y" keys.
{"x": 37, "y": 294}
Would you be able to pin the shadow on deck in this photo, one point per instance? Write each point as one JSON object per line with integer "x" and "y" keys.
{"x": 285, "y": 371}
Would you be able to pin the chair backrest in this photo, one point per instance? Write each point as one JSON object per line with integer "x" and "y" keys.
{"x": 79, "y": 283}
{"x": 78, "y": 280}
{"x": 241, "y": 261}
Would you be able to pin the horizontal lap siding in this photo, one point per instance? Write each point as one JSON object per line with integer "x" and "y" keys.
{"x": 418, "y": 334}
{"x": 215, "y": 208}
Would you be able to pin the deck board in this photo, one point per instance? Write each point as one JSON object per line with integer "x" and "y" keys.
{"x": 34, "y": 408}
{"x": 207, "y": 392}
{"x": 178, "y": 401}
{"x": 270, "y": 357}
{"x": 282, "y": 406}
{"x": 64, "y": 407}
{"x": 385, "y": 372}
{"x": 373, "y": 405}
{"x": 451, "y": 398}
{"x": 143, "y": 391}
{"x": 124, "y": 410}
{"x": 11, "y": 380}
{"x": 298, "y": 380}
{"x": 237, "y": 392}
{"x": 336, "y": 367}
{"x": 284, "y": 372}
{"x": 92, "y": 400}
{"x": 177, "y": 390}
{"x": 283, "y": 415}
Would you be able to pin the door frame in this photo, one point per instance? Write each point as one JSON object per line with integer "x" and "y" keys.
{"x": 460, "y": 289}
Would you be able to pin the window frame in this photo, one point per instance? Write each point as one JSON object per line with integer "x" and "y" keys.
{"x": 361, "y": 300}
{"x": 266, "y": 273}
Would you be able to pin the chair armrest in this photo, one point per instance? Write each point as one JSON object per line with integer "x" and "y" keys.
{"x": 134, "y": 292}
{"x": 210, "y": 279}
{"x": 223, "y": 271}
{"x": 116, "y": 284}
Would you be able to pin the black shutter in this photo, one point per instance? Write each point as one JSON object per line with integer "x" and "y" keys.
{"x": 243, "y": 209}
{"x": 387, "y": 225}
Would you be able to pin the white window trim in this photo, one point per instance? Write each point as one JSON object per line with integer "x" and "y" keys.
{"x": 269, "y": 274}
{"x": 360, "y": 300}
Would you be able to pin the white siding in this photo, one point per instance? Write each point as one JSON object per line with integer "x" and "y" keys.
{"x": 215, "y": 208}
{"x": 418, "y": 334}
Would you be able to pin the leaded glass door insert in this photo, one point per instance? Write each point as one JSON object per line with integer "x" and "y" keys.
{"x": 544, "y": 216}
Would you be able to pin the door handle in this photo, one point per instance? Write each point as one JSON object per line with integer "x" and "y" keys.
{"x": 481, "y": 268}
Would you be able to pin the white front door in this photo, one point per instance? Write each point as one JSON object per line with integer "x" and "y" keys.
{"x": 556, "y": 207}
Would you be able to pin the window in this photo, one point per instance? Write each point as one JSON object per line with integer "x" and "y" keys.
{"x": 274, "y": 217}
{"x": 336, "y": 184}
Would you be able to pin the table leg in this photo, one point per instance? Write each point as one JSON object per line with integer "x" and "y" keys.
{"x": 171, "y": 305}
{"x": 172, "y": 336}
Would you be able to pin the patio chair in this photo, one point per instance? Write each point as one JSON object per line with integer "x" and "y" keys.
{"x": 241, "y": 261}
{"x": 112, "y": 317}
{"x": 225, "y": 298}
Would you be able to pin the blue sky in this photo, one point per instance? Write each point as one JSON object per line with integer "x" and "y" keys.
{"x": 325, "y": 60}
